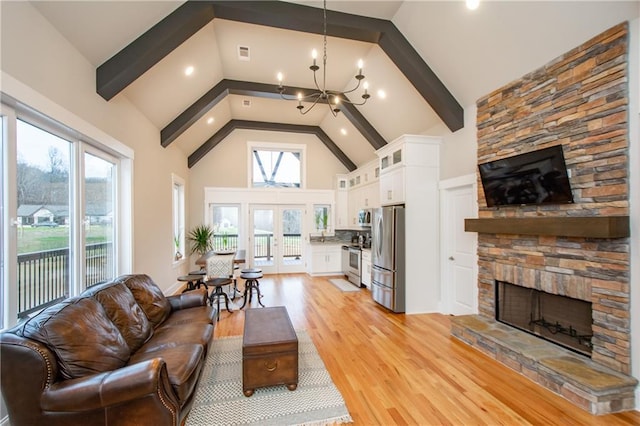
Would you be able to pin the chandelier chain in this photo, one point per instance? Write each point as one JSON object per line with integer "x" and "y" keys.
{"x": 323, "y": 94}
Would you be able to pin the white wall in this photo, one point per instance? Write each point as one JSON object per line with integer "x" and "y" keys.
{"x": 458, "y": 152}
{"x": 34, "y": 53}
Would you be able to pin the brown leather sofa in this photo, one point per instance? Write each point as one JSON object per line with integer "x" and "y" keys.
{"x": 119, "y": 354}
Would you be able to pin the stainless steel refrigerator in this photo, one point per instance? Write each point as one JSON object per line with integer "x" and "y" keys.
{"x": 388, "y": 257}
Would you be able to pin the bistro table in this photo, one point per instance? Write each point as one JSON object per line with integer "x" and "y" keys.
{"x": 240, "y": 257}
{"x": 238, "y": 260}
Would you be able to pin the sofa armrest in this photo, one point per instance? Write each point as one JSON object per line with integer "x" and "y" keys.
{"x": 189, "y": 299}
{"x": 144, "y": 379}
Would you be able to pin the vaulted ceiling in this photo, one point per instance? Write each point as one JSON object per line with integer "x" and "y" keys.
{"x": 429, "y": 57}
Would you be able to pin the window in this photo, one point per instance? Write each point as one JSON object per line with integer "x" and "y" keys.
{"x": 276, "y": 167}
{"x": 178, "y": 218}
{"x": 100, "y": 207}
{"x": 45, "y": 218}
{"x": 60, "y": 212}
{"x": 321, "y": 214}
{"x": 225, "y": 219}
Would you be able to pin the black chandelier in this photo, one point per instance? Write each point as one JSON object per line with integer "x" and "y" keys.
{"x": 321, "y": 94}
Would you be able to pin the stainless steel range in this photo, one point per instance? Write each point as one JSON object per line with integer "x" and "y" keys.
{"x": 352, "y": 263}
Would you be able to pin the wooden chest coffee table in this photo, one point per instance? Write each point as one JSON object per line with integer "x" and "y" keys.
{"x": 269, "y": 350}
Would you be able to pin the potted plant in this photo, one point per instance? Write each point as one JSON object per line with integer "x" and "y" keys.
{"x": 176, "y": 243}
{"x": 201, "y": 238}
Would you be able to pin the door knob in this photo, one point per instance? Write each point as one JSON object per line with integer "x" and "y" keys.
{"x": 451, "y": 258}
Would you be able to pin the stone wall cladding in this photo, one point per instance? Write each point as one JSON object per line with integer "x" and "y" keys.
{"x": 579, "y": 101}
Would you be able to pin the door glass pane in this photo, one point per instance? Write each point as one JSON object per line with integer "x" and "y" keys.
{"x": 291, "y": 236}
{"x": 263, "y": 237}
{"x": 43, "y": 215}
{"x": 225, "y": 227}
{"x": 99, "y": 230}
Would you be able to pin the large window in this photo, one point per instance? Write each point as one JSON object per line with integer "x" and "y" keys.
{"x": 276, "y": 168}
{"x": 60, "y": 213}
{"x": 178, "y": 218}
{"x": 226, "y": 223}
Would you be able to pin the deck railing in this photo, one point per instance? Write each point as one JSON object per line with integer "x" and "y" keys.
{"x": 43, "y": 277}
{"x": 262, "y": 243}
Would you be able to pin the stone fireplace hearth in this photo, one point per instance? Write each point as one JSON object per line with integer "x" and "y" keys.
{"x": 578, "y": 101}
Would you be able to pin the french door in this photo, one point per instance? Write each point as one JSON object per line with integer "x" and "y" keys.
{"x": 276, "y": 241}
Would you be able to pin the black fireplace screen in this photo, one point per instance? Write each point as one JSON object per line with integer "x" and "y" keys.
{"x": 562, "y": 320}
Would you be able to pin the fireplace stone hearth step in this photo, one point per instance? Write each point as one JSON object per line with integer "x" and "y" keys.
{"x": 587, "y": 384}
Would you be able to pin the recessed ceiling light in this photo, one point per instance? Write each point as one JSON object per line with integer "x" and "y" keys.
{"x": 473, "y": 4}
{"x": 343, "y": 131}
{"x": 188, "y": 70}
{"x": 210, "y": 120}
{"x": 382, "y": 94}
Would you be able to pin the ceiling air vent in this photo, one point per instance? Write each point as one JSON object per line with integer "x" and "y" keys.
{"x": 243, "y": 53}
{"x": 246, "y": 103}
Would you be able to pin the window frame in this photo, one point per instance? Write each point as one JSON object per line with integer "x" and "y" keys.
{"x": 93, "y": 141}
{"x": 277, "y": 147}
{"x": 178, "y": 221}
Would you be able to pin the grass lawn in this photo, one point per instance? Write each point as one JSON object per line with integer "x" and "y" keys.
{"x": 42, "y": 238}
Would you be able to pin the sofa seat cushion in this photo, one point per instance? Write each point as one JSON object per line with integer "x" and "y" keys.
{"x": 167, "y": 337}
{"x": 123, "y": 310}
{"x": 149, "y": 296}
{"x": 184, "y": 363}
{"x": 81, "y": 335}
{"x": 183, "y": 317}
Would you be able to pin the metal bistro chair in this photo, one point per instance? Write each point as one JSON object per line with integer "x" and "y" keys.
{"x": 220, "y": 274}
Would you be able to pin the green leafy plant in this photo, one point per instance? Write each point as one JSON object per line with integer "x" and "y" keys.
{"x": 176, "y": 243}
{"x": 201, "y": 238}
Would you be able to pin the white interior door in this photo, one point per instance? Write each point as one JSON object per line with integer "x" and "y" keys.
{"x": 460, "y": 291}
{"x": 276, "y": 238}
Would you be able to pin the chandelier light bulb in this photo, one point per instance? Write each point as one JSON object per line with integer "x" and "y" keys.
{"x": 321, "y": 94}
{"x": 473, "y": 4}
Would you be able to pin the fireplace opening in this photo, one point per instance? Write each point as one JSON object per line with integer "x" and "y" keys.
{"x": 563, "y": 320}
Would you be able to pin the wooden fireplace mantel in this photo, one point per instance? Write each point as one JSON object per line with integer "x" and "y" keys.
{"x": 585, "y": 227}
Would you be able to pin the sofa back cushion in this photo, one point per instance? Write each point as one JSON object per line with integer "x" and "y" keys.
{"x": 123, "y": 310}
{"x": 149, "y": 296}
{"x": 81, "y": 335}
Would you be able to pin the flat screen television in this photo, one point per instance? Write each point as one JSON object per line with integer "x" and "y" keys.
{"x": 536, "y": 177}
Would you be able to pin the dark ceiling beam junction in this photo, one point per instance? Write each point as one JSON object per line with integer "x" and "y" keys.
{"x": 138, "y": 57}
{"x": 234, "y": 87}
{"x": 232, "y": 125}
{"x": 131, "y": 62}
{"x": 309, "y": 19}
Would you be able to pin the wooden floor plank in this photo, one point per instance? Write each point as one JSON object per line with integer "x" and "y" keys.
{"x": 407, "y": 369}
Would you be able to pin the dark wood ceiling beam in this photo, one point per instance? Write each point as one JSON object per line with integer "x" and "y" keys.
{"x": 232, "y": 125}
{"x": 246, "y": 88}
{"x": 147, "y": 50}
{"x": 130, "y": 63}
{"x": 426, "y": 82}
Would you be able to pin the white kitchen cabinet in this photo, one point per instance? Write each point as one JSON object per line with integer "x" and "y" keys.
{"x": 392, "y": 187}
{"x": 409, "y": 175}
{"x": 365, "y": 275}
{"x": 341, "y": 216}
{"x": 326, "y": 259}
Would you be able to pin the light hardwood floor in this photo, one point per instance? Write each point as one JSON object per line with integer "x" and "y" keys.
{"x": 396, "y": 369}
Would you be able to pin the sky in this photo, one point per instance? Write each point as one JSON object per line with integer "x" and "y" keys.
{"x": 33, "y": 149}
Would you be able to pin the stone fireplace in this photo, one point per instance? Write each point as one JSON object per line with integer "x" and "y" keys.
{"x": 578, "y": 101}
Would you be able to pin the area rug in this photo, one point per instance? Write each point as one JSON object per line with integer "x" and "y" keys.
{"x": 219, "y": 399}
{"x": 343, "y": 285}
